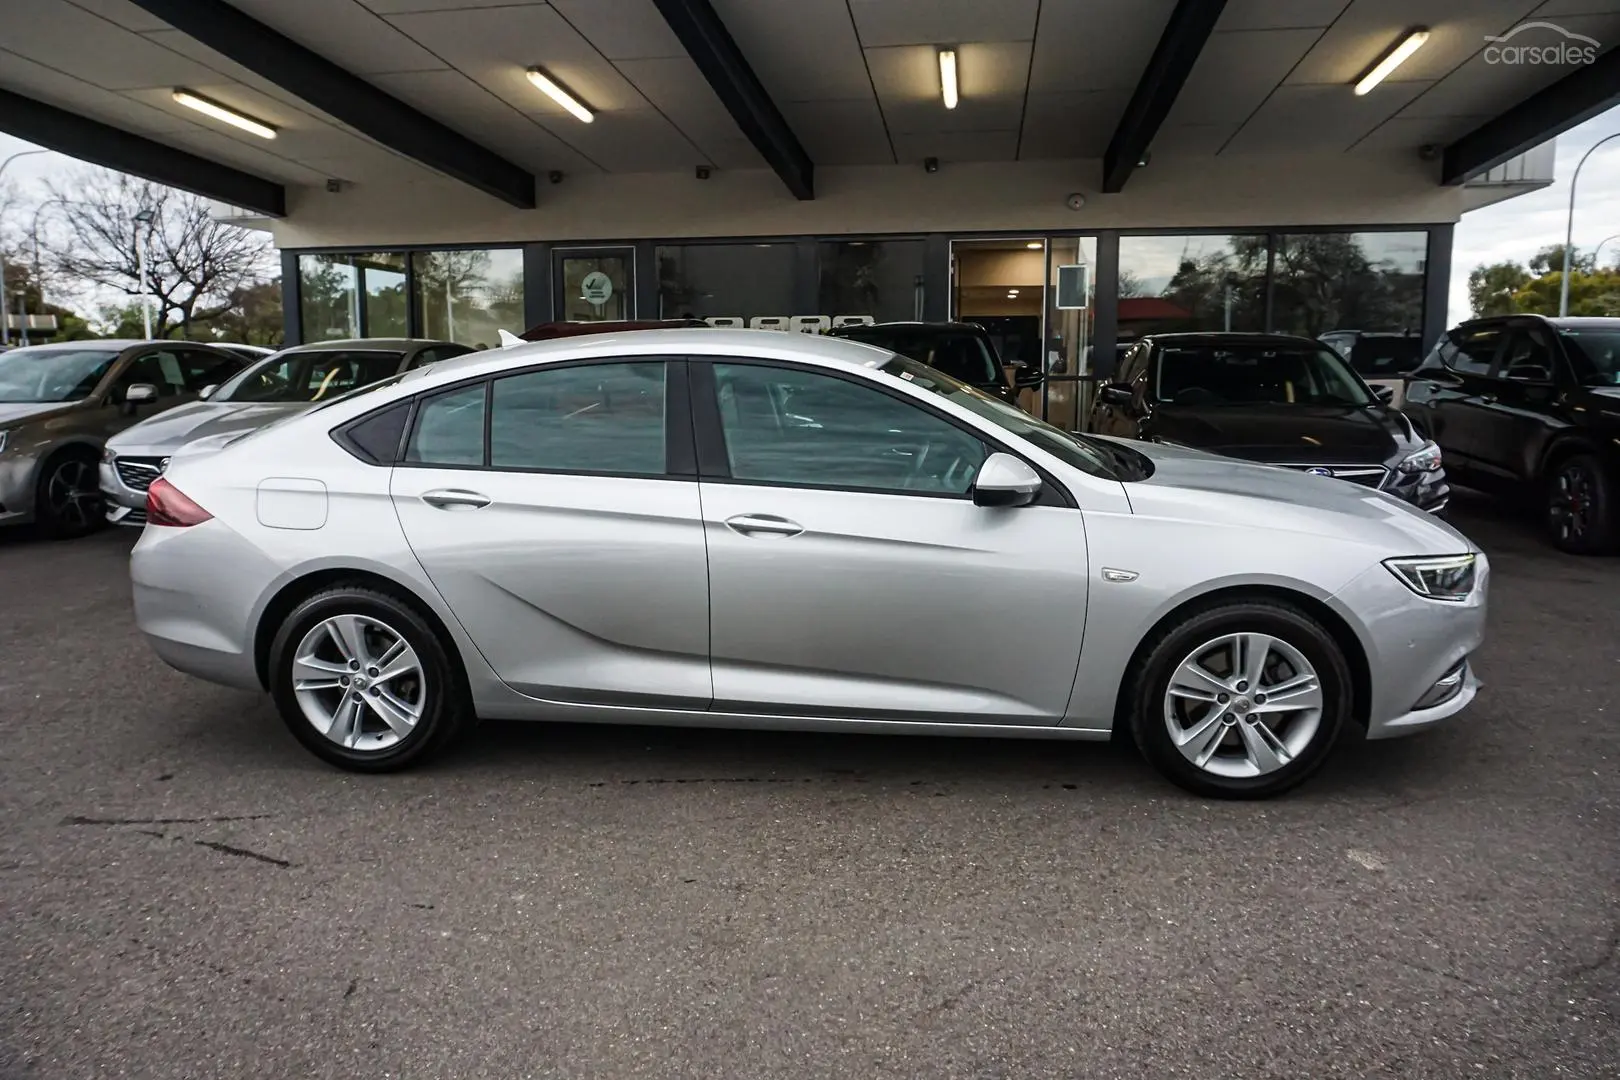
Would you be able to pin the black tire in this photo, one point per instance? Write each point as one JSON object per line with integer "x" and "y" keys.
{"x": 1579, "y": 506}
{"x": 1165, "y": 652}
{"x": 67, "y": 495}
{"x": 446, "y": 707}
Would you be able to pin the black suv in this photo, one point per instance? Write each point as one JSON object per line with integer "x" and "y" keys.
{"x": 963, "y": 351}
{"x": 1525, "y": 405}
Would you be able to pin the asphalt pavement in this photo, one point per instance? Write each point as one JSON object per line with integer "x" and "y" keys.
{"x": 185, "y": 892}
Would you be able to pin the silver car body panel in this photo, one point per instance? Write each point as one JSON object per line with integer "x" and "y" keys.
{"x": 153, "y": 440}
{"x": 888, "y": 612}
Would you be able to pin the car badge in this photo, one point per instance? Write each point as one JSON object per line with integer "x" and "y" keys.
{"x": 1313, "y": 472}
{"x": 163, "y": 466}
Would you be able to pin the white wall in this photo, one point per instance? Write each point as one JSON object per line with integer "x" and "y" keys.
{"x": 1170, "y": 193}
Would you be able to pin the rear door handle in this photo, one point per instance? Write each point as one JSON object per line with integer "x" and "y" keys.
{"x": 768, "y": 524}
{"x": 449, "y": 498}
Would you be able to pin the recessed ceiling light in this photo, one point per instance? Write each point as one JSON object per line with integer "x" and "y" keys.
{"x": 552, "y": 90}
{"x": 209, "y": 107}
{"x": 1397, "y": 56}
{"x": 947, "y": 76}
{"x": 1034, "y": 245}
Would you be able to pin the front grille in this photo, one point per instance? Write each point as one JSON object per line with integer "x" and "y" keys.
{"x": 138, "y": 473}
{"x": 1372, "y": 476}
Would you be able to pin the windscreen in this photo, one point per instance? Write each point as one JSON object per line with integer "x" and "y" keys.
{"x": 959, "y": 354}
{"x": 48, "y": 375}
{"x": 1376, "y": 356}
{"x": 1257, "y": 374}
{"x": 310, "y": 377}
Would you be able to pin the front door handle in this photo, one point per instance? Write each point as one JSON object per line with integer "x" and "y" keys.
{"x": 767, "y": 524}
{"x": 1488, "y": 399}
{"x": 449, "y": 498}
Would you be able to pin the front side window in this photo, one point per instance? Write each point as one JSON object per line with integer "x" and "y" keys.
{"x": 162, "y": 369}
{"x": 43, "y": 374}
{"x": 202, "y": 370}
{"x": 1214, "y": 375}
{"x": 1595, "y": 355}
{"x": 316, "y": 376}
{"x": 591, "y": 418}
{"x": 1528, "y": 358}
{"x": 785, "y": 426}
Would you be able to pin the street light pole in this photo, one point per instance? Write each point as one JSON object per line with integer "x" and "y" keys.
{"x": 33, "y": 235}
{"x": 144, "y": 217}
{"x": 1599, "y": 248}
{"x": 1569, "y": 226}
{"x": 5, "y": 320}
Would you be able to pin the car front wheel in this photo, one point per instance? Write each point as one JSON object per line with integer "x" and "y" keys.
{"x": 1580, "y": 506}
{"x": 1244, "y": 700}
{"x": 67, "y": 502}
{"x": 365, "y": 682}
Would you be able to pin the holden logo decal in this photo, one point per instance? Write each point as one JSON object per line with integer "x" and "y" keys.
{"x": 163, "y": 466}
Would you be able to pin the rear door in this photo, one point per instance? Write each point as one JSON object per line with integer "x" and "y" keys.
{"x": 1450, "y": 402}
{"x": 556, "y": 510}
{"x": 851, "y": 574}
{"x": 1525, "y": 406}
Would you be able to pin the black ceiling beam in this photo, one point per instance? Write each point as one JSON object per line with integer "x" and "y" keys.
{"x": 346, "y": 96}
{"x": 1582, "y": 94}
{"x": 1185, "y": 33}
{"x": 90, "y": 140}
{"x": 711, "y": 48}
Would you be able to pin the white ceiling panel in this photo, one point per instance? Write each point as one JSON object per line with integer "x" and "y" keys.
{"x": 186, "y": 45}
{"x": 1070, "y": 125}
{"x": 53, "y": 87}
{"x": 1191, "y": 140}
{"x": 1084, "y": 45}
{"x": 678, "y": 89}
{"x": 942, "y": 22}
{"x": 1319, "y": 118}
{"x": 452, "y": 98}
{"x": 260, "y": 162}
{"x": 122, "y": 12}
{"x": 344, "y": 32}
{"x": 496, "y": 45}
{"x": 1415, "y": 132}
{"x": 622, "y": 29}
{"x": 299, "y": 134}
{"x": 59, "y": 35}
{"x": 635, "y": 141}
{"x": 802, "y": 50}
{"x": 1279, "y": 14}
{"x": 840, "y": 132}
{"x": 991, "y": 78}
{"x": 1368, "y": 30}
{"x": 1235, "y": 72}
{"x": 957, "y": 146}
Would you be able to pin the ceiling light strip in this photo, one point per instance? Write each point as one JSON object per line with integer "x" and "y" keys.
{"x": 546, "y": 86}
{"x": 1411, "y": 43}
{"x": 225, "y": 114}
{"x": 947, "y": 77}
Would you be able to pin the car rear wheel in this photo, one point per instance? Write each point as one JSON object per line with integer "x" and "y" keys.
{"x": 1580, "y": 510}
{"x": 1244, "y": 700}
{"x": 67, "y": 499}
{"x": 365, "y": 682}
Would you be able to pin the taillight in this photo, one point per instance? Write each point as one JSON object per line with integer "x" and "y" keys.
{"x": 168, "y": 505}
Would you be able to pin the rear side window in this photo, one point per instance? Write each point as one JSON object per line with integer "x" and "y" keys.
{"x": 375, "y": 438}
{"x": 1471, "y": 352}
{"x": 450, "y": 428}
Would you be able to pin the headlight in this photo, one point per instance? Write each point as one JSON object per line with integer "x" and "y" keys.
{"x": 1424, "y": 460}
{"x": 1437, "y": 577}
{"x": 107, "y": 455}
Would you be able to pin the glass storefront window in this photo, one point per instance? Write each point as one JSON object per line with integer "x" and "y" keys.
{"x": 468, "y": 296}
{"x": 882, "y": 279}
{"x": 352, "y": 296}
{"x": 737, "y": 281}
{"x": 1172, "y": 283}
{"x": 594, "y": 286}
{"x": 1351, "y": 283}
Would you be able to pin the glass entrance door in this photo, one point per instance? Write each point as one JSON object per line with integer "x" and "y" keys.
{"x": 593, "y": 284}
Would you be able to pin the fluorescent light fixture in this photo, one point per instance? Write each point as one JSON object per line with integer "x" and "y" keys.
{"x": 543, "y": 83}
{"x": 947, "y": 76}
{"x": 221, "y": 113}
{"x": 1012, "y": 292}
{"x": 1397, "y": 56}
{"x": 1034, "y": 245}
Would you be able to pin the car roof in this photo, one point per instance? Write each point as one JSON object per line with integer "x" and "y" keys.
{"x": 907, "y": 324}
{"x": 1222, "y": 337}
{"x": 818, "y": 349}
{"x": 112, "y": 344}
{"x": 366, "y": 344}
{"x": 1566, "y": 322}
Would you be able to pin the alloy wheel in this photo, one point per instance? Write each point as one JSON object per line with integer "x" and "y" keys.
{"x": 359, "y": 682}
{"x": 72, "y": 495}
{"x": 1573, "y": 496}
{"x": 1243, "y": 705}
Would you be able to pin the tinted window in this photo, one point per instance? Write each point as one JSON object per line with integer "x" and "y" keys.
{"x": 1380, "y": 356}
{"x": 1528, "y": 357}
{"x": 310, "y": 376}
{"x": 1210, "y": 375}
{"x": 43, "y": 374}
{"x": 960, "y": 355}
{"x": 1135, "y": 363}
{"x": 376, "y": 437}
{"x": 449, "y": 428}
{"x": 1594, "y": 353}
{"x": 202, "y": 370}
{"x": 594, "y": 418}
{"x": 798, "y": 427}
{"x": 1471, "y": 351}
{"x": 162, "y": 369}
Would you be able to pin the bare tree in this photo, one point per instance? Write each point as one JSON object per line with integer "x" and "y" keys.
{"x": 195, "y": 265}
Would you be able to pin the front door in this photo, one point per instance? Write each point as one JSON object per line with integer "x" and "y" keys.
{"x": 1525, "y": 406}
{"x": 594, "y": 284}
{"x": 851, "y": 574}
{"x": 567, "y": 540}
{"x": 1451, "y": 405}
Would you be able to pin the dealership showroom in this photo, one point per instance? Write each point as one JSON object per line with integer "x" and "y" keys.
{"x": 187, "y": 891}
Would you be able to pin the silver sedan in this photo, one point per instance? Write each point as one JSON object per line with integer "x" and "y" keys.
{"x": 770, "y": 530}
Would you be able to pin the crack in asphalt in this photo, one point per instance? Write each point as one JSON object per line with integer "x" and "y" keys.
{"x": 243, "y": 852}
{"x": 79, "y": 820}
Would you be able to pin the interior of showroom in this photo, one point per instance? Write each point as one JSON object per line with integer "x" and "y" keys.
{"x": 1068, "y": 173}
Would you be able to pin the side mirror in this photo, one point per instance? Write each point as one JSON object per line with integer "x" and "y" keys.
{"x": 208, "y": 391}
{"x": 1116, "y": 394}
{"x": 1025, "y": 377}
{"x": 1005, "y": 480}
{"x": 138, "y": 394}
{"x": 1386, "y": 394}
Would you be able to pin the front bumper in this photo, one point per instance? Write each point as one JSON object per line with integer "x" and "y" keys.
{"x": 123, "y": 482}
{"x": 1428, "y": 491}
{"x": 16, "y": 488}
